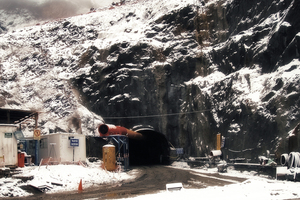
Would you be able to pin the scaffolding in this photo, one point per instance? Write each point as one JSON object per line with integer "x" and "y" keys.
{"x": 122, "y": 150}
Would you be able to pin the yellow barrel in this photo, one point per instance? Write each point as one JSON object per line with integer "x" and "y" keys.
{"x": 109, "y": 157}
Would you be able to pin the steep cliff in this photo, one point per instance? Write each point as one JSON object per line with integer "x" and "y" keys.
{"x": 190, "y": 69}
{"x": 222, "y": 68}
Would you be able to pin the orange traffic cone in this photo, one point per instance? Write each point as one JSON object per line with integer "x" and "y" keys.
{"x": 80, "y": 186}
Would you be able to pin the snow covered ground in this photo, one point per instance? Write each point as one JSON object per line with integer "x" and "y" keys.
{"x": 62, "y": 178}
{"x": 255, "y": 187}
{"x": 251, "y": 189}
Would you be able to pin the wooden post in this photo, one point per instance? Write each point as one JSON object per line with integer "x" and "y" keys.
{"x": 36, "y": 117}
{"x": 218, "y": 141}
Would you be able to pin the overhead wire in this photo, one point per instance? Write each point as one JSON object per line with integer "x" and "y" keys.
{"x": 160, "y": 115}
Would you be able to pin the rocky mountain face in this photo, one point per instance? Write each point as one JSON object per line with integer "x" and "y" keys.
{"x": 189, "y": 69}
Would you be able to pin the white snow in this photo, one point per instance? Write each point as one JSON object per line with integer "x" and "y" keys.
{"x": 69, "y": 176}
{"x": 255, "y": 187}
{"x": 46, "y": 92}
{"x": 128, "y": 23}
{"x": 250, "y": 189}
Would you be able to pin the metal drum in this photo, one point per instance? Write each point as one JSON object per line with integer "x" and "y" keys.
{"x": 109, "y": 157}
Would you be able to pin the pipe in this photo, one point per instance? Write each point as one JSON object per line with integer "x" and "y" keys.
{"x": 284, "y": 159}
{"x": 293, "y": 166}
{"x": 109, "y": 129}
{"x": 294, "y": 160}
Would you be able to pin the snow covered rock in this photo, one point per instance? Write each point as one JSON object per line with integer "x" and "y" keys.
{"x": 190, "y": 69}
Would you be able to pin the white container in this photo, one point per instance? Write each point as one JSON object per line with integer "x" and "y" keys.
{"x": 8, "y": 145}
{"x": 215, "y": 153}
{"x": 58, "y": 146}
{"x": 174, "y": 187}
{"x": 281, "y": 172}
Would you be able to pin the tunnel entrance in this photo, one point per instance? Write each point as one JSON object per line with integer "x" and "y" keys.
{"x": 152, "y": 149}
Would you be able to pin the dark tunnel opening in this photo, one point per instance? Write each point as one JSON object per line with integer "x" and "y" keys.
{"x": 153, "y": 149}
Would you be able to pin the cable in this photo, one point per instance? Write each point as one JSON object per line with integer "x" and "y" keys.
{"x": 149, "y": 116}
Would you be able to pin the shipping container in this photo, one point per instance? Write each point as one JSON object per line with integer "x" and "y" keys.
{"x": 60, "y": 147}
{"x": 8, "y": 145}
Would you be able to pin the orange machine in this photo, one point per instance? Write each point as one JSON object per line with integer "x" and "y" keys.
{"x": 108, "y": 129}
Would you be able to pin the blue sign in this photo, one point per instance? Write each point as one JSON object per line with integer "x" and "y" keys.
{"x": 179, "y": 151}
{"x": 74, "y": 142}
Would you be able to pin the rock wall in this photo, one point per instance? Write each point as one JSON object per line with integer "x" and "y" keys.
{"x": 200, "y": 83}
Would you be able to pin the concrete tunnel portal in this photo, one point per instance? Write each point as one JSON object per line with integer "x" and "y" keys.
{"x": 146, "y": 146}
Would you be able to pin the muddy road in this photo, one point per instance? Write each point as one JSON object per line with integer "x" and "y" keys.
{"x": 151, "y": 179}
